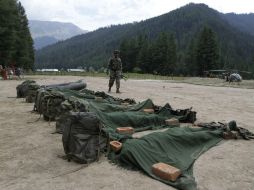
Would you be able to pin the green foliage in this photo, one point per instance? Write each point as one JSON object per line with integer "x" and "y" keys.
{"x": 16, "y": 45}
{"x": 190, "y": 59}
{"x": 207, "y": 51}
{"x": 143, "y": 56}
{"x": 170, "y": 43}
{"x": 243, "y": 22}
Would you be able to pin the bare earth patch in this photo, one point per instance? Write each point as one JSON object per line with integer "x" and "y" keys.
{"x": 29, "y": 153}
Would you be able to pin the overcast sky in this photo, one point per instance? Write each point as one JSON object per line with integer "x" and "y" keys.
{"x": 92, "y": 14}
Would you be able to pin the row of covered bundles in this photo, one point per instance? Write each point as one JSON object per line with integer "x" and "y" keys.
{"x": 53, "y": 102}
{"x": 78, "y": 127}
{"x": 165, "y": 156}
{"x": 28, "y": 89}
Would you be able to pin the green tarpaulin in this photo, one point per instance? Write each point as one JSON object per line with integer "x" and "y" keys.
{"x": 114, "y": 116}
{"x": 179, "y": 147}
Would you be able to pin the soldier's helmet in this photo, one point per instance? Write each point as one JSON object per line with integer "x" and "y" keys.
{"x": 116, "y": 52}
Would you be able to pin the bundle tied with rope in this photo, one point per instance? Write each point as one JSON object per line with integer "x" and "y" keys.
{"x": 27, "y": 88}
{"x": 83, "y": 141}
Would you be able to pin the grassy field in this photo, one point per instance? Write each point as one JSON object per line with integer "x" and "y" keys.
{"x": 190, "y": 80}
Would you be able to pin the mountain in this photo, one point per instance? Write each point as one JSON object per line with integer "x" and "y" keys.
{"x": 244, "y": 22}
{"x": 48, "y": 32}
{"x": 185, "y": 23}
{"x": 44, "y": 41}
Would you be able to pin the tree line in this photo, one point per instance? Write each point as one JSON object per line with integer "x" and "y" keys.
{"x": 144, "y": 47}
{"x": 16, "y": 44}
{"x": 160, "y": 56}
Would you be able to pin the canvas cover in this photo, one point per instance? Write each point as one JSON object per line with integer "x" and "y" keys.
{"x": 82, "y": 139}
{"x": 113, "y": 115}
{"x": 89, "y": 123}
{"x": 28, "y": 89}
{"x": 177, "y": 146}
{"x": 24, "y": 87}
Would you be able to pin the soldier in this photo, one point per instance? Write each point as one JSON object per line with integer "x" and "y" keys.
{"x": 114, "y": 70}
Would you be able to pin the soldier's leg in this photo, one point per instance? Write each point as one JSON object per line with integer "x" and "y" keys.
{"x": 118, "y": 78}
{"x": 111, "y": 80}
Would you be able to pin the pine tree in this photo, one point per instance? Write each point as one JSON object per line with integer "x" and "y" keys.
{"x": 16, "y": 45}
{"x": 160, "y": 54}
{"x": 129, "y": 53}
{"x": 25, "y": 51}
{"x": 207, "y": 51}
{"x": 190, "y": 59}
{"x": 170, "y": 65}
{"x": 143, "y": 59}
{"x": 8, "y": 19}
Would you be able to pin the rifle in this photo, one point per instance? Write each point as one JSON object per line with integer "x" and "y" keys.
{"x": 125, "y": 78}
{"x": 122, "y": 76}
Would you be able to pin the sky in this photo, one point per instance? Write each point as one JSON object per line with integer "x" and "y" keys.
{"x": 93, "y": 14}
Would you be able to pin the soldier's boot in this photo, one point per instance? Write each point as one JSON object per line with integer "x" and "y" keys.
{"x": 109, "y": 89}
{"x": 117, "y": 90}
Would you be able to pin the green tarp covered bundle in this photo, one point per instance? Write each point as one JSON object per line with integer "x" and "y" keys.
{"x": 78, "y": 85}
{"x": 48, "y": 103}
{"x": 52, "y": 102}
{"x": 106, "y": 117}
{"x": 114, "y": 116}
{"x": 30, "y": 97}
{"x": 118, "y": 115}
{"x": 26, "y": 88}
{"x": 46, "y": 95}
{"x": 82, "y": 139}
{"x": 178, "y": 146}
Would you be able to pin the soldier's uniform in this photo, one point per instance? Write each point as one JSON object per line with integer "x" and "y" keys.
{"x": 115, "y": 71}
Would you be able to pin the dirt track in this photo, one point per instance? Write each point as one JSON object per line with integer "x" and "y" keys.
{"x": 29, "y": 152}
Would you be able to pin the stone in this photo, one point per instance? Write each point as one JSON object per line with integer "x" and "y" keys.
{"x": 166, "y": 171}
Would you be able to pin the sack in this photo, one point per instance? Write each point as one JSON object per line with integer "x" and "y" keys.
{"x": 82, "y": 138}
{"x": 23, "y": 88}
{"x": 32, "y": 91}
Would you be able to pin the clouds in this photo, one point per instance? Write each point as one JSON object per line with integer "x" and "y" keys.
{"x": 92, "y": 14}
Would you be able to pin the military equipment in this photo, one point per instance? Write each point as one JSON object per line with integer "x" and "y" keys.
{"x": 228, "y": 127}
{"x": 82, "y": 138}
{"x": 124, "y": 77}
{"x": 28, "y": 89}
{"x": 24, "y": 87}
{"x": 88, "y": 127}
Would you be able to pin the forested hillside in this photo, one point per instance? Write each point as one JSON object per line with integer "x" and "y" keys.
{"x": 244, "y": 22}
{"x": 16, "y": 44}
{"x": 179, "y": 42}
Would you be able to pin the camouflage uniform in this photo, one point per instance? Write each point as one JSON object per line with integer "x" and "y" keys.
{"x": 115, "y": 68}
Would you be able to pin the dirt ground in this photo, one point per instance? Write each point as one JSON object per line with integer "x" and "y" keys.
{"x": 29, "y": 153}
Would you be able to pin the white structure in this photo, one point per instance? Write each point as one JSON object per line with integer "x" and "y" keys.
{"x": 47, "y": 70}
{"x": 76, "y": 70}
